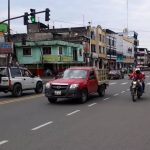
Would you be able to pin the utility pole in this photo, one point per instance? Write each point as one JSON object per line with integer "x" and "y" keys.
{"x": 8, "y": 20}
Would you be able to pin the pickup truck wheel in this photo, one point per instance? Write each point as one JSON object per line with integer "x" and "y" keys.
{"x": 84, "y": 96}
{"x": 17, "y": 90}
{"x": 52, "y": 100}
{"x": 101, "y": 90}
{"x": 39, "y": 87}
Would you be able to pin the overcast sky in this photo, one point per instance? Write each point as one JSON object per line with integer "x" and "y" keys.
{"x": 110, "y": 14}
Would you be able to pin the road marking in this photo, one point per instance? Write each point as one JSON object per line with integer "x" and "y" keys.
{"x": 147, "y": 76}
{"x": 92, "y": 104}
{"x": 112, "y": 83}
{"x": 21, "y": 99}
{"x": 128, "y": 89}
{"x": 3, "y": 142}
{"x": 124, "y": 83}
{"x": 43, "y": 125}
{"x": 76, "y": 111}
{"x": 106, "y": 98}
{"x": 123, "y": 92}
{"x": 148, "y": 83}
{"x": 116, "y": 94}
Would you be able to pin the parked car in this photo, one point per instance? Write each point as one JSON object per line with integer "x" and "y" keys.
{"x": 115, "y": 74}
{"x": 18, "y": 79}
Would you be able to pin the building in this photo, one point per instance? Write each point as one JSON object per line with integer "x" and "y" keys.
{"x": 55, "y": 55}
{"x": 111, "y": 49}
{"x": 142, "y": 57}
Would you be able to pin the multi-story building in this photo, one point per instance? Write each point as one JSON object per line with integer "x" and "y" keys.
{"x": 101, "y": 47}
{"x": 55, "y": 55}
{"x": 111, "y": 49}
{"x": 142, "y": 57}
{"x": 125, "y": 51}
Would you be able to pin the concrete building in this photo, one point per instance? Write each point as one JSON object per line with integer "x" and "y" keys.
{"x": 55, "y": 55}
{"x": 142, "y": 57}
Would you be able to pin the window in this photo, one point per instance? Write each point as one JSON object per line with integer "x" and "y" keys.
{"x": 99, "y": 49}
{"x": 60, "y": 50}
{"x": 15, "y": 72}
{"x": 46, "y": 50}
{"x": 27, "y": 51}
{"x": 93, "y": 48}
{"x": 80, "y": 52}
{"x": 100, "y": 38}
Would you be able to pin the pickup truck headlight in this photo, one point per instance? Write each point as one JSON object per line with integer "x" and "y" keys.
{"x": 74, "y": 86}
{"x": 48, "y": 85}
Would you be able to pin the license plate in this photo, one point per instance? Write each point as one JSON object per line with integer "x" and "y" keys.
{"x": 57, "y": 92}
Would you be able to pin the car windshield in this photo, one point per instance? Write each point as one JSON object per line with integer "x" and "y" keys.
{"x": 70, "y": 73}
{"x": 3, "y": 72}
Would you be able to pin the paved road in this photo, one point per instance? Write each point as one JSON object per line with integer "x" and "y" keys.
{"x": 113, "y": 122}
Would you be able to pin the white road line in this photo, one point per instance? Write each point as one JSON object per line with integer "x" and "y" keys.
{"x": 43, "y": 125}
{"x": 69, "y": 114}
{"x": 106, "y": 98}
{"x": 128, "y": 89}
{"x": 124, "y": 83}
{"x": 147, "y": 76}
{"x": 116, "y": 94}
{"x": 92, "y": 104}
{"x": 123, "y": 92}
{"x": 112, "y": 83}
{"x": 148, "y": 83}
{"x": 3, "y": 142}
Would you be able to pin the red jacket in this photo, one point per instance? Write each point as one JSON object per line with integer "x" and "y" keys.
{"x": 140, "y": 76}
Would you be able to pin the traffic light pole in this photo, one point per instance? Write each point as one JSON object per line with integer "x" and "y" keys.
{"x": 20, "y": 16}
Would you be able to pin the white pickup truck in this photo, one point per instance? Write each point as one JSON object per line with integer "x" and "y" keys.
{"x": 18, "y": 79}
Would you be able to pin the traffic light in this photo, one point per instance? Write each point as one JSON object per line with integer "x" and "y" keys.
{"x": 32, "y": 14}
{"x": 26, "y": 18}
{"x": 47, "y": 14}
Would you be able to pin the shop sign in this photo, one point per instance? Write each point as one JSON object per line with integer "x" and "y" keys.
{"x": 51, "y": 58}
{"x": 66, "y": 58}
{"x": 6, "y": 47}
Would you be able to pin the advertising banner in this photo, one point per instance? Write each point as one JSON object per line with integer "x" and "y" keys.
{"x": 6, "y": 47}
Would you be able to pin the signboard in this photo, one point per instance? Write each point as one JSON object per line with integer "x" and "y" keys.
{"x": 66, "y": 58}
{"x": 51, "y": 58}
{"x": 6, "y": 47}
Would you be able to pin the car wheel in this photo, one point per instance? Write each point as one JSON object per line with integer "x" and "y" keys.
{"x": 17, "y": 90}
{"x": 39, "y": 87}
{"x": 52, "y": 100}
{"x": 84, "y": 96}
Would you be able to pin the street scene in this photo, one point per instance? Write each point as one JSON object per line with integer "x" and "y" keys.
{"x": 74, "y": 83}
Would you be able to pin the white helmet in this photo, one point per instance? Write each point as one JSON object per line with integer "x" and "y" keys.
{"x": 137, "y": 70}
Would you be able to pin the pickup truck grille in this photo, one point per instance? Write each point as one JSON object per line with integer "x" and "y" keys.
{"x": 59, "y": 87}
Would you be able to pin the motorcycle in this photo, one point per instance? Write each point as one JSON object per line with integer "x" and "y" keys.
{"x": 136, "y": 89}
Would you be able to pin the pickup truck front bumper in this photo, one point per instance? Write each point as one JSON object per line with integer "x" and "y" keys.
{"x": 67, "y": 93}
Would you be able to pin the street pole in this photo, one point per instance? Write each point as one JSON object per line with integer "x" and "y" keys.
{"x": 8, "y": 20}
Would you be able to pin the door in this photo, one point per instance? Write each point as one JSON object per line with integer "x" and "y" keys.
{"x": 92, "y": 82}
{"x": 28, "y": 81}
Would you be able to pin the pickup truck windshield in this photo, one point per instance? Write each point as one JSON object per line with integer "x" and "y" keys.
{"x": 70, "y": 73}
{"x": 3, "y": 72}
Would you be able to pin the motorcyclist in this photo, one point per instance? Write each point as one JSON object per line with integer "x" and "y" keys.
{"x": 138, "y": 75}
